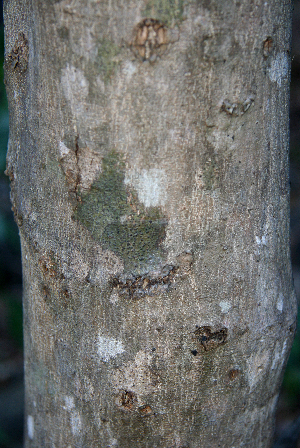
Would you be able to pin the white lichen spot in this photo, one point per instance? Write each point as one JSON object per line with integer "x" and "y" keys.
{"x": 114, "y": 297}
{"x": 63, "y": 150}
{"x": 280, "y": 301}
{"x": 76, "y": 423}
{"x": 109, "y": 347}
{"x": 129, "y": 69}
{"x": 30, "y": 427}
{"x": 69, "y": 403}
{"x": 262, "y": 241}
{"x": 279, "y": 69}
{"x": 151, "y": 185}
{"x": 113, "y": 443}
{"x": 225, "y": 306}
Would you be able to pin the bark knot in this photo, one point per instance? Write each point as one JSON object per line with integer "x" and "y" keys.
{"x": 151, "y": 39}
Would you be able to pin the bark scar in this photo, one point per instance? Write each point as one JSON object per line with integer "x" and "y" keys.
{"x": 210, "y": 339}
{"x": 19, "y": 55}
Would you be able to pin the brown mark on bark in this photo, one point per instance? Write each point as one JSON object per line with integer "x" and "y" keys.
{"x": 49, "y": 266}
{"x": 18, "y": 58}
{"x": 126, "y": 400}
{"x": 155, "y": 282}
{"x": 151, "y": 39}
{"x": 233, "y": 374}
{"x": 138, "y": 286}
{"x": 53, "y": 285}
{"x": 267, "y": 47}
{"x": 209, "y": 339}
{"x": 145, "y": 411}
{"x": 77, "y": 180}
{"x": 70, "y": 166}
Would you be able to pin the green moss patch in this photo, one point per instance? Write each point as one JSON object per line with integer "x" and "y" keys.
{"x": 169, "y": 12}
{"x": 107, "y": 59}
{"x": 209, "y": 174}
{"x": 116, "y": 218}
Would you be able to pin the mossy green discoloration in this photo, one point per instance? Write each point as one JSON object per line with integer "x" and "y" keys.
{"x": 113, "y": 214}
{"x": 209, "y": 174}
{"x": 169, "y": 12}
{"x": 107, "y": 59}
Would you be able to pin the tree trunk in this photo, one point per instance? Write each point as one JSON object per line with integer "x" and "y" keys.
{"x": 148, "y": 158}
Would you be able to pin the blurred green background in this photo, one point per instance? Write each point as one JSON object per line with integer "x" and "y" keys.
{"x": 11, "y": 360}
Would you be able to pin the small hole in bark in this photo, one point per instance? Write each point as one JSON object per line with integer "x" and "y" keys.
{"x": 194, "y": 352}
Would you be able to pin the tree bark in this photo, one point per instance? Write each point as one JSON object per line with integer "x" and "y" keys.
{"x": 148, "y": 158}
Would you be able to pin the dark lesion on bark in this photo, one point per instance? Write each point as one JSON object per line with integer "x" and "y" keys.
{"x": 208, "y": 339}
{"x": 54, "y": 287}
{"x": 70, "y": 166}
{"x": 268, "y": 45}
{"x": 145, "y": 411}
{"x": 137, "y": 287}
{"x": 18, "y": 57}
{"x": 126, "y": 400}
{"x": 50, "y": 266}
{"x": 233, "y": 374}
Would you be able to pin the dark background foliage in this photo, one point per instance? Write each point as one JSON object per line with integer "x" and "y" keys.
{"x": 11, "y": 358}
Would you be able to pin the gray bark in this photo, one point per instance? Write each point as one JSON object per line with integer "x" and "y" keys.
{"x": 148, "y": 158}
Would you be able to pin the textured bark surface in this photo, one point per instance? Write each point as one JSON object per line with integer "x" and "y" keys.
{"x": 148, "y": 159}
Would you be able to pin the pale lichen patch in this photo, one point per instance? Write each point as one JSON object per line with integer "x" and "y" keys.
{"x": 69, "y": 403}
{"x": 108, "y": 347}
{"x": 63, "y": 149}
{"x": 30, "y": 426}
{"x": 76, "y": 422}
{"x": 279, "y": 303}
{"x": 225, "y": 306}
{"x": 150, "y": 185}
{"x": 279, "y": 69}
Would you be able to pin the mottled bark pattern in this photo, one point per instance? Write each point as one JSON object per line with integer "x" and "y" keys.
{"x": 148, "y": 159}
